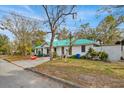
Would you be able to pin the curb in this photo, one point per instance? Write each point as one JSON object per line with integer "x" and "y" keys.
{"x": 71, "y": 84}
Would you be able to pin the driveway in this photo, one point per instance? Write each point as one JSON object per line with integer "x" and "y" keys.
{"x": 12, "y": 76}
{"x": 31, "y": 63}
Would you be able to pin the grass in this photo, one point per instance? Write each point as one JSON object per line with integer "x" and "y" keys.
{"x": 85, "y": 71}
{"x": 16, "y": 57}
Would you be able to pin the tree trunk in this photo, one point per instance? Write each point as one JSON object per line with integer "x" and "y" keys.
{"x": 51, "y": 46}
{"x": 70, "y": 44}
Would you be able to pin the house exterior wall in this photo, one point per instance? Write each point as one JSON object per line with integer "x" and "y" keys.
{"x": 45, "y": 51}
{"x": 58, "y": 51}
{"x": 37, "y": 51}
{"x": 114, "y": 52}
{"x": 75, "y": 50}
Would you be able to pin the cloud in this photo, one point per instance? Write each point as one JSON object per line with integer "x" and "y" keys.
{"x": 28, "y": 8}
{"x": 23, "y": 10}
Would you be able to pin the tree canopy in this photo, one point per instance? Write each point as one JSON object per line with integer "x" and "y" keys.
{"x": 4, "y": 44}
{"x": 26, "y": 31}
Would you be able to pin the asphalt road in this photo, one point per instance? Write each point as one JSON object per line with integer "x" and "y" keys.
{"x": 12, "y": 76}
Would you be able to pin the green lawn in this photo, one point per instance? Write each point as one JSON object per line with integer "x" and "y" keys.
{"x": 86, "y": 71}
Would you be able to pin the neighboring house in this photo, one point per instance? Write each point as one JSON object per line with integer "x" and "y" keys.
{"x": 80, "y": 46}
{"x": 114, "y": 51}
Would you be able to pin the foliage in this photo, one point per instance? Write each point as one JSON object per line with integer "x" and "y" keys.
{"x": 92, "y": 54}
{"x": 38, "y": 38}
{"x": 73, "y": 56}
{"x": 115, "y": 10}
{"x": 111, "y": 23}
{"x": 63, "y": 34}
{"x": 107, "y": 30}
{"x": 83, "y": 57}
{"x": 103, "y": 56}
{"x": 56, "y": 16}
{"x": 87, "y": 32}
{"x": 4, "y": 44}
{"x": 27, "y": 32}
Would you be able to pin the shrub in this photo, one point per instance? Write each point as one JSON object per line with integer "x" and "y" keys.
{"x": 83, "y": 57}
{"x": 45, "y": 55}
{"x": 103, "y": 56}
{"x": 40, "y": 55}
{"x": 73, "y": 56}
{"x": 91, "y": 53}
{"x": 94, "y": 54}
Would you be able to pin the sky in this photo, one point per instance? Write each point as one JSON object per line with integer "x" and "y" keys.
{"x": 85, "y": 14}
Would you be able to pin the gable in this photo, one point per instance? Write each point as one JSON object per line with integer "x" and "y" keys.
{"x": 45, "y": 45}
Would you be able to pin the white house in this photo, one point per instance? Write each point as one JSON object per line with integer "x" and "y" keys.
{"x": 80, "y": 46}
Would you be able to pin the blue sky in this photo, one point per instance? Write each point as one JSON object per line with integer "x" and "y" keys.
{"x": 85, "y": 14}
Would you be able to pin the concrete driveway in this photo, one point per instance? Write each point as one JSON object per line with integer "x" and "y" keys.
{"x": 31, "y": 63}
{"x": 12, "y": 76}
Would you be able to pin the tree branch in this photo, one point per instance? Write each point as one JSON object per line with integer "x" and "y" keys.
{"x": 45, "y": 8}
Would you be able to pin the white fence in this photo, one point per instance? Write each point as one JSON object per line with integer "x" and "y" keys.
{"x": 114, "y": 52}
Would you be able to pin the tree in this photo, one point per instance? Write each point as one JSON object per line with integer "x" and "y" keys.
{"x": 24, "y": 29}
{"x": 87, "y": 32}
{"x": 56, "y": 15}
{"x": 4, "y": 44}
{"x": 63, "y": 34}
{"x": 115, "y": 10}
{"x": 107, "y": 30}
{"x": 38, "y": 38}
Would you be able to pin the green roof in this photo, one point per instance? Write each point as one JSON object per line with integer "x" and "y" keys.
{"x": 66, "y": 42}
{"x": 77, "y": 42}
{"x": 38, "y": 47}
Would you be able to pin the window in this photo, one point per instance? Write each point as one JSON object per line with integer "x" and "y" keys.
{"x": 82, "y": 48}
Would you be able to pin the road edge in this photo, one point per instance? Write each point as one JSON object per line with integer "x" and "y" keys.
{"x": 71, "y": 84}
{"x": 66, "y": 82}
